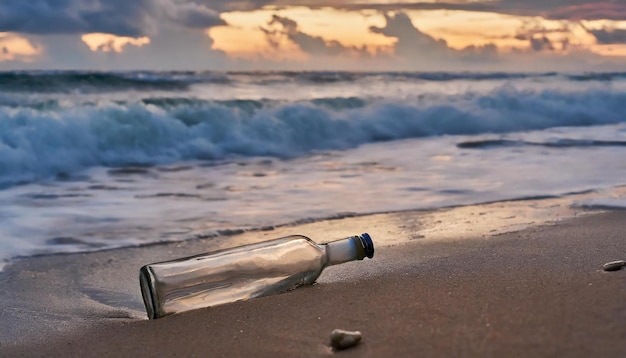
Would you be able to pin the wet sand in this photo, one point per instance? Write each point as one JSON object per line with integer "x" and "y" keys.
{"x": 445, "y": 283}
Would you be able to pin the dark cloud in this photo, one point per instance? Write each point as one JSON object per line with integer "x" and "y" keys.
{"x": 521, "y": 37}
{"x": 195, "y": 16}
{"x": 537, "y": 36}
{"x": 541, "y": 44}
{"x": 542, "y": 39}
{"x": 564, "y": 9}
{"x": 5, "y": 50}
{"x": 175, "y": 48}
{"x": 533, "y": 28}
{"x": 273, "y": 36}
{"x": 388, "y": 6}
{"x": 590, "y": 10}
{"x": 412, "y": 50}
{"x": 144, "y": 17}
{"x": 314, "y": 45}
{"x": 171, "y": 49}
{"x": 609, "y": 36}
{"x": 234, "y": 5}
{"x": 552, "y": 9}
{"x": 119, "y": 17}
{"x": 480, "y": 52}
{"x": 62, "y": 52}
{"x": 411, "y": 42}
{"x": 178, "y": 42}
{"x": 415, "y": 45}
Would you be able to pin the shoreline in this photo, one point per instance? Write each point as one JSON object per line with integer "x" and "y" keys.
{"x": 521, "y": 277}
{"x": 542, "y": 202}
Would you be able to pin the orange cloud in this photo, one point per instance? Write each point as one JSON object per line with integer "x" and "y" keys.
{"x": 111, "y": 43}
{"x": 14, "y": 47}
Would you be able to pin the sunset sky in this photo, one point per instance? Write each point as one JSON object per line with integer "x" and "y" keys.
{"x": 427, "y": 35}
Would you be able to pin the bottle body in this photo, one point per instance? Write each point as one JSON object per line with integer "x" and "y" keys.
{"x": 240, "y": 273}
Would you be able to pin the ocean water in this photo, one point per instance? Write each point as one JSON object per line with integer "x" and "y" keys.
{"x": 91, "y": 161}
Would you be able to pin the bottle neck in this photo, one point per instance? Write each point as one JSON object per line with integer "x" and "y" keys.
{"x": 344, "y": 250}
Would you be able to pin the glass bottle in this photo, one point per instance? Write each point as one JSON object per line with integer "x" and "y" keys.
{"x": 243, "y": 272}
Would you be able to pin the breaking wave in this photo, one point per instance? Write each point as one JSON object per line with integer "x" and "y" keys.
{"x": 48, "y": 140}
{"x": 98, "y": 82}
{"x": 102, "y": 82}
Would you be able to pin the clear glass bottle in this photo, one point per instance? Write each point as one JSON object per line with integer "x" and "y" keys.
{"x": 243, "y": 272}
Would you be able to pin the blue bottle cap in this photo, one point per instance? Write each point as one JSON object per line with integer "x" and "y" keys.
{"x": 368, "y": 244}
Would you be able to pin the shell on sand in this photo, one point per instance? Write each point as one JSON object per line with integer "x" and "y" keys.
{"x": 614, "y": 265}
{"x": 340, "y": 339}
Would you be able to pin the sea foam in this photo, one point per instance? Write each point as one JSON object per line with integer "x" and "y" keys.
{"x": 38, "y": 142}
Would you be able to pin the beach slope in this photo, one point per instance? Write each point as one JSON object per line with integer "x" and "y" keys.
{"x": 535, "y": 292}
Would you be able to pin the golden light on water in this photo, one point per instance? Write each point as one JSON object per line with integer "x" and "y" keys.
{"x": 111, "y": 43}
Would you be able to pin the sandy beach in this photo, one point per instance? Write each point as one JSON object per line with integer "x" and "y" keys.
{"x": 510, "y": 279}
{"x": 479, "y": 143}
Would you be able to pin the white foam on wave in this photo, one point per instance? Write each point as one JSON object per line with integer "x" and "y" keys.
{"x": 36, "y": 143}
{"x": 142, "y": 205}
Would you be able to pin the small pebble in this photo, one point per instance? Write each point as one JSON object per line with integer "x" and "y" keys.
{"x": 340, "y": 339}
{"x": 614, "y": 265}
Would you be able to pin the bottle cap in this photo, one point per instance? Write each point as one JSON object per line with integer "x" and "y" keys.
{"x": 368, "y": 244}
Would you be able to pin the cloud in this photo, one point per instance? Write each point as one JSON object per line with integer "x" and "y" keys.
{"x": 589, "y": 10}
{"x": 541, "y": 38}
{"x": 533, "y": 27}
{"x": 111, "y": 43}
{"x": 414, "y": 45}
{"x": 541, "y": 44}
{"x": 61, "y": 52}
{"x": 234, "y": 5}
{"x": 545, "y": 52}
{"x": 14, "y": 48}
{"x": 313, "y": 45}
{"x": 133, "y": 18}
{"x": 551, "y": 9}
{"x": 193, "y": 15}
{"x": 386, "y": 6}
{"x": 472, "y": 52}
{"x": 172, "y": 49}
{"x": 413, "y": 50}
{"x": 411, "y": 41}
{"x": 564, "y": 9}
{"x": 609, "y": 36}
{"x": 120, "y": 17}
{"x": 177, "y": 40}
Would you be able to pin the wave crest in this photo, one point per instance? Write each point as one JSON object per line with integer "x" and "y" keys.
{"x": 104, "y": 82}
{"x": 36, "y": 142}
